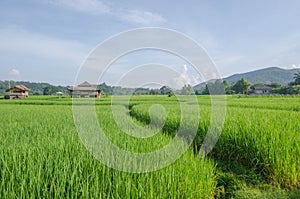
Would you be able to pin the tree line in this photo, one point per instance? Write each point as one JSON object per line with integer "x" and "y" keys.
{"x": 242, "y": 86}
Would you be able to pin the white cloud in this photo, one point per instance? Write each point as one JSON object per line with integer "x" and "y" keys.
{"x": 184, "y": 75}
{"x": 20, "y": 41}
{"x": 292, "y": 66}
{"x": 184, "y": 78}
{"x": 14, "y": 72}
{"x": 142, "y": 17}
{"x": 97, "y": 7}
{"x": 90, "y": 6}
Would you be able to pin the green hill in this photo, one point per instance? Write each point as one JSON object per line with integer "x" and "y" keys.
{"x": 265, "y": 76}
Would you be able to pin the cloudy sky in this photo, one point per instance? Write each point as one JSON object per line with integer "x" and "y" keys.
{"x": 48, "y": 40}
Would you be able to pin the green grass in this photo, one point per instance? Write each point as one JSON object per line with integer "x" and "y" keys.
{"x": 271, "y": 144}
{"x": 42, "y": 157}
{"x": 259, "y": 133}
{"x": 257, "y": 155}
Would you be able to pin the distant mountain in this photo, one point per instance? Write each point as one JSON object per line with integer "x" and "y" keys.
{"x": 265, "y": 76}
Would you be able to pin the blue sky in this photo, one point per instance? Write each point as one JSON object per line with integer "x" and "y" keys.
{"x": 47, "y": 40}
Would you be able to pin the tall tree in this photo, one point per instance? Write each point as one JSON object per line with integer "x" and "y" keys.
{"x": 217, "y": 87}
{"x": 187, "y": 90}
{"x": 165, "y": 90}
{"x": 297, "y": 78}
{"x": 105, "y": 89}
{"x": 242, "y": 86}
{"x": 227, "y": 87}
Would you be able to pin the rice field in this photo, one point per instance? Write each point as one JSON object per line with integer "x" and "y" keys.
{"x": 257, "y": 154}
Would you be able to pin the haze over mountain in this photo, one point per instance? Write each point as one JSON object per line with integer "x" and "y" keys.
{"x": 265, "y": 76}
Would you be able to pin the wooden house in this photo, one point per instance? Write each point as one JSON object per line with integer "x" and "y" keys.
{"x": 17, "y": 92}
{"x": 262, "y": 90}
{"x": 84, "y": 90}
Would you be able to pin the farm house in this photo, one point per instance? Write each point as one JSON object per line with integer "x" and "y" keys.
{"x": 17, "y": 92}
{"x": 262, "y": 90}
{"x": 84, "y": 89}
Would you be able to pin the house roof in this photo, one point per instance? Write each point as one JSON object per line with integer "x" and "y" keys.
{"x": 262, "y": 88}
{"x": 84, "y": 86}
{"x": 19, "y": 87}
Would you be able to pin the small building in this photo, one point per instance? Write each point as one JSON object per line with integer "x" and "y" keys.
{"x": 84, "y": 90}
{"x": 59, "y": 94}
{"x": 17, "y": 92}
{"x": 262, "y": 90}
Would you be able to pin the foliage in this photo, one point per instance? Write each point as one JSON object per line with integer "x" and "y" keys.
{"x": 165, "y": 90}
{"x": 257, "y": 84}
{"x": 117, "y": 90}
{"x": 274, "y": 85}
{"x": 105, "y": 89}
{"x": 171, "y": 93}
{"x": 242, "y": 86}
{"x": 287, "y": 90}
{"x": 265, "y": 76}
{"x": 50, "y": 90}
{"x": 35, "y": 88}
{"x": 217, "y": 87}
{"x": 227, "y": 86}
{"x": 296, "y": 80}
{"x": 187, "y": 90}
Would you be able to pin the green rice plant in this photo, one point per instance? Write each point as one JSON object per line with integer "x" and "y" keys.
{"x": 268, "y": 140}
{"x": 259, "y": 132}
{"x": 41, "y": 156}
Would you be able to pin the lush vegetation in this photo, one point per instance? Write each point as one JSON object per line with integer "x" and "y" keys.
{"x": 35, "y": 88}
{"x": 42, "y": 157}
{"x": 243, "y": 86}
{"x": 257, "y": 154}
{"x": 264, "y": 76}
{"x": 48, "y": 89}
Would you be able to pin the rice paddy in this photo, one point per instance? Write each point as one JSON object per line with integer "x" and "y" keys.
{"x": 42, "y": 155}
